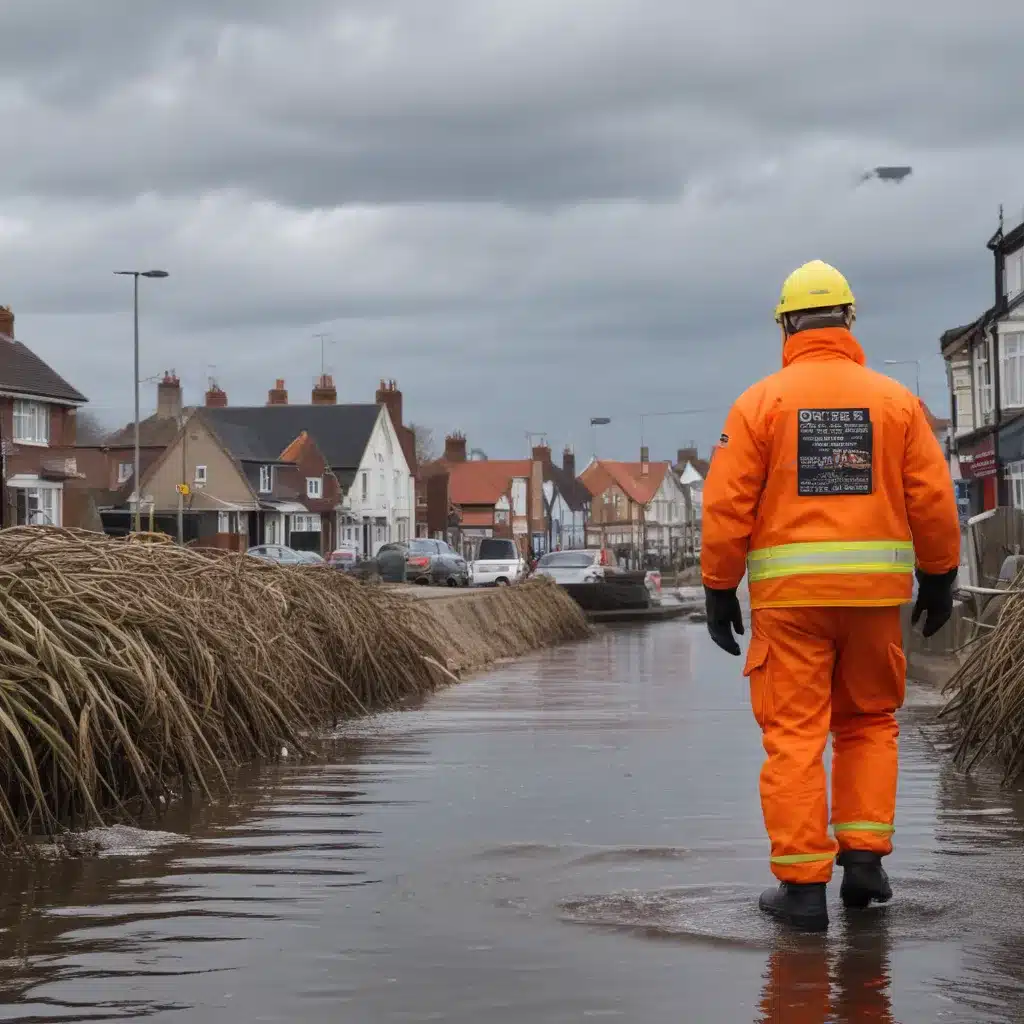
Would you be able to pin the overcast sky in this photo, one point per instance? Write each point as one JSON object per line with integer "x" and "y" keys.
{"x": 527, "y": 213}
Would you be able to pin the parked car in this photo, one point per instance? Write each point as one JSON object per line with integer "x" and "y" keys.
{"x": 311, "y": 558}
{"x": 497, "y": 564}
{"x": 422, "y": 561}
{"x": 587, "y": 565}
{"x": 344, "y": 558}
{"x": 277, "y": 553}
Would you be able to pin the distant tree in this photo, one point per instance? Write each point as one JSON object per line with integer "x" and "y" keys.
{"x": 89, "y": 428}
{"x": 426, "y": 447}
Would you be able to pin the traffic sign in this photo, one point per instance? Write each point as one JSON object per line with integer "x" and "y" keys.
{"x": 183, "y": 490}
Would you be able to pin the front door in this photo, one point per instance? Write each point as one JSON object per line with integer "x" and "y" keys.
{"x": 367, "y": 539}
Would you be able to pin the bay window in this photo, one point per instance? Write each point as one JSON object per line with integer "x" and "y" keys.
{"x": 1015, "y": 483}
{"x": 31, "y": 422}
{"x": 1013, "y": 274}
{"x": 1011, "y": 369}
{"x": 982, "y": 381}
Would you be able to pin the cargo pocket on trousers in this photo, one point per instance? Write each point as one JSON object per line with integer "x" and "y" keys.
{"x": 898, "y": 664}
{"x": 756, "y": 670}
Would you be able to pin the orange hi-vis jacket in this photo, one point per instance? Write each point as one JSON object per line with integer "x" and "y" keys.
{"x": 826, "y": 483}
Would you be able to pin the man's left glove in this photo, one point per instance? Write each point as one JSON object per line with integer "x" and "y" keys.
{"x": 934, "y": 599}
{"x": 724, "y": 616}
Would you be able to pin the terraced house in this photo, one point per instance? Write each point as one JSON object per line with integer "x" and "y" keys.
{"x": 38, "y": 409}
{"x": 985, "y": 369}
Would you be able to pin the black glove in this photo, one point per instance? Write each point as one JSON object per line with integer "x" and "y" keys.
{"x": 724, "y": 616}
{"x": 934, "y": 599}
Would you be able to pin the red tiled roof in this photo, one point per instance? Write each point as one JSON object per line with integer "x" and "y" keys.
{"x": 627, "y": 476}
{"x": 478, "y": 517}
{"x": 484, "y": 482}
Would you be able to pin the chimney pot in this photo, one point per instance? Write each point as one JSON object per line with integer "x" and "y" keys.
{"x": 168, "y": 396}
{"x": 455, "y": 447}
{"x": 216, "y": 398}
{"x": 324, "y": 391}
{"x": 569, "y": 461}
{"x": 389, "y": 395}
{"x": 7, "y": 322}
{"x": 645, "y": 460}
{"x": 541, "y": 453}
{"x": 277, "y": 395}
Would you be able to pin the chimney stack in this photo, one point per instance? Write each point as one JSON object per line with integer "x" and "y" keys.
{"x": 645, "y": 461}
{"x": 168, "y": 396}
{"x": 324, "y": 392}
{"x": 277, "y": 394}
{"x": 541, "y": 453}
{"x": 215, "y": 398}
{"x": 685, "y": 455}
{"x": 569, "y": 462}
{"x": 455, "y": 447}
{"x": 389, "y": 395}
{"x": 7, "y": 322}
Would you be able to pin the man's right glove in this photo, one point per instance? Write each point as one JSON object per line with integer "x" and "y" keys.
{"x": 724, "y": 616}
{"x": 934, "y": 599}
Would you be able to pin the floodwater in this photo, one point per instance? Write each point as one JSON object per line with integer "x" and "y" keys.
{"x": 574, "y": 836}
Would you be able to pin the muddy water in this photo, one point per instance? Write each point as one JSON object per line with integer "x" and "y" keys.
{"x": 573, "y": 836}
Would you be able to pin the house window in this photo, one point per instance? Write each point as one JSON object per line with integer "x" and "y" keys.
{"x": 1013, "y": 274}
{"x": 266, "y": 480}
{"x": 1015, "y": 483}
{"x": 380, "y": 485}
{"x": 365, "y": 482}
{"x": 38, "y": 506}
{"x": 200, "y": 474}
{"x": 314, "y": 487}
{"x": 31, "y": 422}
{"x": 223, "y": 518}
{"x": 1012, "y": 370}
{"x": 124, "y": 472}
{"x": 306, "y": 524}
{"x": 983, "y": 380}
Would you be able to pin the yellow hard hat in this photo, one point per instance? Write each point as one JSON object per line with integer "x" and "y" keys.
{"x": 815, "y": 285}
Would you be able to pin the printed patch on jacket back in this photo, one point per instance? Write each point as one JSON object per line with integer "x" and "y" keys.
{"x": 834, "y": 452}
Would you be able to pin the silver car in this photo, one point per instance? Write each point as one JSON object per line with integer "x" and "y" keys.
{"x": 587, "y": 565}
{"x": 277, "y": 553}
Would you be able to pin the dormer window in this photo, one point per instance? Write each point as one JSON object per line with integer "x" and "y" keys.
{"x": 314, "y": 487}
{"x": 266, "y": 479}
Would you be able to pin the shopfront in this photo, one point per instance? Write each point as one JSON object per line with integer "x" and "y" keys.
{"x": 979, "y": 470}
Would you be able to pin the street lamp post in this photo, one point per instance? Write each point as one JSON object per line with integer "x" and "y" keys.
{"x": 595, "y": 422}
{"x": 136, "y": 274}
{"x": 916, "y": 363}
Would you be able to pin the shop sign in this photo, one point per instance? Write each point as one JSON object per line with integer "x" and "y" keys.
{"x": 978, "y": 461}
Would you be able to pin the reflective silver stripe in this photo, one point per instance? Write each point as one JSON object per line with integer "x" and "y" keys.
{"x": 860, "y": 557}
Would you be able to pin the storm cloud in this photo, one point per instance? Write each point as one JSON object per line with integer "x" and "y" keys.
{"x": 527, "y": 213}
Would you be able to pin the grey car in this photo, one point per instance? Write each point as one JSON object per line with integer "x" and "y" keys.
{"x": 422, "y": 561}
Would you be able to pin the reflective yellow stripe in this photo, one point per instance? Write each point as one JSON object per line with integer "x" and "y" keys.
{"x": 864, "y": 826}
{"x": 802, "y": 858}
{"x": 857, "y": 556}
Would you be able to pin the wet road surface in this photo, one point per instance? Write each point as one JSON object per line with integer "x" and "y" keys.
{"x": 574, "y": 836}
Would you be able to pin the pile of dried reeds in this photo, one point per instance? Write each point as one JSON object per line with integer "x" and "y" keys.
{"x": 986, "y": 694}
{"x": 128, "y": 670}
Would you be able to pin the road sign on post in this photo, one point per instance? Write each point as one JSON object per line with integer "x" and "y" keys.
{"x": 183, "y": 490}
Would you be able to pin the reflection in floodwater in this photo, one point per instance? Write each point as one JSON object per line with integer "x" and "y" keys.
{"x": 574, "y": 835}
{"x": 808, "y": 982}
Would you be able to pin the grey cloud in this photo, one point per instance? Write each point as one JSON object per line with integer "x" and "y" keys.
{"x": 587, "y": 206}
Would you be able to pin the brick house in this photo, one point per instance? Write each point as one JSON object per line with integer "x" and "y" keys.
{"x": 38, "y": 411}
{"x": 636, "y": 507}
{"x": 470, "y": 499}
{"x": 566, "y": 501}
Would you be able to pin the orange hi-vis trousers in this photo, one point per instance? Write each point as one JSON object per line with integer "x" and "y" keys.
{"x": 813, "y": 671}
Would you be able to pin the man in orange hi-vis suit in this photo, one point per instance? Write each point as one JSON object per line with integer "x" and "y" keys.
{"x": 828, "y": 488}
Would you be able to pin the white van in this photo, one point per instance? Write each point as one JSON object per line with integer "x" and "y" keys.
{"x": 497, "y": 564}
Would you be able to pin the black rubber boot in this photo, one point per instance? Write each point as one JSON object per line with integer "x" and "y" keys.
{"x": 864, "y": 879}
{"x": 798, "y": 905}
